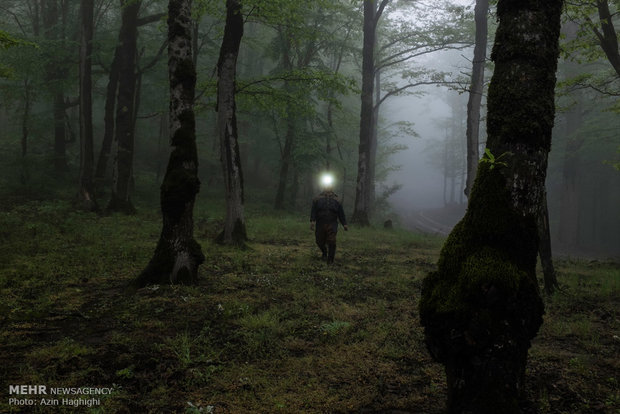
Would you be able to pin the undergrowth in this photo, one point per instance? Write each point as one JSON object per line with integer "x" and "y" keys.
{"x": 268, "y": 329}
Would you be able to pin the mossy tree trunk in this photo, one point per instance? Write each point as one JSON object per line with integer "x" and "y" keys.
{"x": 482, "y": 307}
{"x": 234, "y": 226}
{"x": 178, "y": 255}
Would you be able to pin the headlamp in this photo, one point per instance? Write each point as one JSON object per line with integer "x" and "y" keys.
{"x": 327, "y": 180}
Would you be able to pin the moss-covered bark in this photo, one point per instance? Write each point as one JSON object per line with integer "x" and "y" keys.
{"x": 178, "y": 255}
{"x": 482, "y": 307}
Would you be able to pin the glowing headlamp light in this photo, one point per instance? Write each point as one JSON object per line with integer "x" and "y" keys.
{"x": 327, "y": 180}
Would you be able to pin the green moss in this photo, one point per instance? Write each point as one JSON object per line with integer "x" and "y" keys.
{"x": 488, "y": 255}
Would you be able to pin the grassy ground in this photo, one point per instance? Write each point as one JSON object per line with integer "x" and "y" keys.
{"x": 268, "y": 329}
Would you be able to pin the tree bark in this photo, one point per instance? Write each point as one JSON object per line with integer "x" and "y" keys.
{"x": 361, "y": 214}
{"x": 482, "y": 307}
{"x": 86, "y": 197}
{"x": 286, "y": 151}
{"x": 571, "y": 165}
{"x": 475, "y": 91}
{"x": 120, "y": 199}
{"x": 374, "y": 142}
{"x": 285, "y": 161}
{"x": 108, "y": 121}
{"x": 55, "y": 75}
{"x": 25, "y": 118}
{"x": 234, "y": 226}
{"x": 178, "y": 255}
{"x": 544, "y": 250}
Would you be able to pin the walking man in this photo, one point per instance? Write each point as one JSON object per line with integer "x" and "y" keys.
{"x": 324, "y": 216}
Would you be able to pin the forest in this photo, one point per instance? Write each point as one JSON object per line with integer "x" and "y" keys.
{"x": 163, "y": 193}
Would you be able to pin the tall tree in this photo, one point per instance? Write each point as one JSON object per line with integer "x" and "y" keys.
{"x": 475, "y": 91}
{"x": 363, "y": 193}
{"x": 178, "y": 255}
{"x": 54, "y": 17}
{"x": 482, "y": 307}
{"x": 122, "y": 64}
{"x": 108, "y": 120}
{"x": 86, "y": 197}
{"x": 120, "y": 199}
{"x": 234, "y": 225}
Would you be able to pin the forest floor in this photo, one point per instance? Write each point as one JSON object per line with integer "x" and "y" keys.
{"x": 269, "y": 329}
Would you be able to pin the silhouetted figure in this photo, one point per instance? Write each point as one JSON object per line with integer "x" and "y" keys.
{"x": 324, "y": 216}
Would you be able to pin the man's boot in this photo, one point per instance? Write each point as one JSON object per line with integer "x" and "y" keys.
{"x": 331, "y": 253}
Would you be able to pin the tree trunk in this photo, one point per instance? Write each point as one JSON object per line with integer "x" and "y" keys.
{"x": 544, "y": 250}
{"x": 24, "y": 174}
{"x": 294, "y": 189}
{"x": 108, "y": 121}
{"x": 475, "y": 91}
{"x": 123, "y": 167}
{"x": 482, "y": 306}
{"x": 571, "y": 205}
{"x": 25, "y": 118}
{"x": 287, "y": 152}
{"x": 361, "y": 214}
{"x": 60, "y": 133}
{"x": 86, "y": 197}
{"x": 234, "y": 227}
{"x": 178, "y": 255}
{"x": 374, "y": 142}
{"x": 55, "y": 75}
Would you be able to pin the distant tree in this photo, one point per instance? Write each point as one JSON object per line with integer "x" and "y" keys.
{"x": 234, "y": 226}
{"x": 592, "y": 46}
{"x": 178, "y": 255}
{"x": 297, "y": 39}
{"x": 86, "y": 196}
{"x": 475, "y": 91}
{"x": 127, "y": 82}
{"x": 54, "y": 15}
{"x": 108, "y": 120}
{"x": 482, "y": 306}
{"x": 391, "y": 54}
{"x": 123, "y": 73}
{"x": 595, "y": 26}
{"x": 7, "y": 72}
{"x": 120, "y": 199}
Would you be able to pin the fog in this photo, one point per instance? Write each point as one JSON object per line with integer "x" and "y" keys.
{"x": 583, "y": 209}
{"x": 422, "y": 183}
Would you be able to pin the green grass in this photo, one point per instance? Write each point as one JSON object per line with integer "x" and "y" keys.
{"x": 267, "y": 329}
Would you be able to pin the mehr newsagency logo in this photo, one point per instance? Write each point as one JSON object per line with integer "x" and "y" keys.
{"x": 31, "y": 395}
